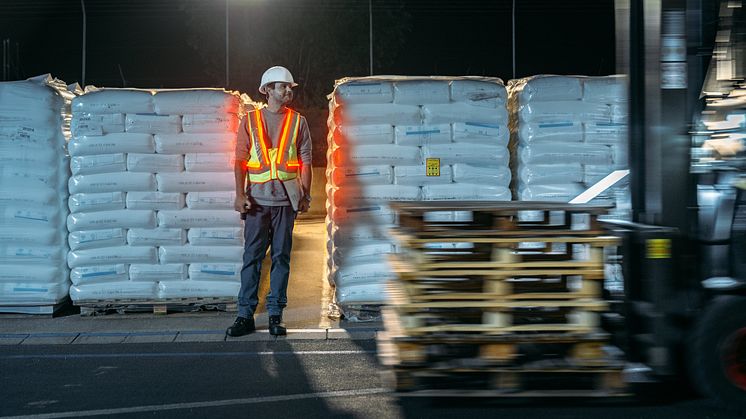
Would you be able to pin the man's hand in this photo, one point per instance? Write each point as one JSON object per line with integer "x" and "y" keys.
{"x": 242, "y": 203}
{"x": 304, "y": 205}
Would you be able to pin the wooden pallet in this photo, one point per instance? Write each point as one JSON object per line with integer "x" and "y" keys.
{"x": 406, "y": 270}
{"x": 124, "y": 306}
{"x": 540, "y": 350}
{"x": 509, "y": 382}
{"x": 502, "y": 260}
{"x": 499, "y": 218}
{"x": 574, "y": 285}
{"x": 460, "y": 252}
{"x": 496, "y": 316}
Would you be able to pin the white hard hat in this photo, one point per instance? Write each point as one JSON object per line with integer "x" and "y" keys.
{"x": 276, "y": 73}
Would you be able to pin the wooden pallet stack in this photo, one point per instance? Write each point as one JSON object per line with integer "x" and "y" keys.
{"x": 160, "y": 306}
{"x": 506, "y": 300}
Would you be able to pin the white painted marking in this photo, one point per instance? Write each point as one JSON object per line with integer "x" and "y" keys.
{"x": 183, "y": 354}
{"x": 607, "y": 182}
{"x": 198, "y": 405}
{"x": 326, "y": 296}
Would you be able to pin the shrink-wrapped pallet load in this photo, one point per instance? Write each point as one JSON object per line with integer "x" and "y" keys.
{"x": 151, "y": 199}
{"x": 411, "y": 139}
{"x": 569, "y": 132}
{"x": 34, "y": 123}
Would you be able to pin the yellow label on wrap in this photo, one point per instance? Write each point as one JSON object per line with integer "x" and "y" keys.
{"x": 432, "y": 167}
{"x": 658, "y": 248}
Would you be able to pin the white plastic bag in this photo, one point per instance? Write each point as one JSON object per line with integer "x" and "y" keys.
{"x": 89, "y": 145}
{"x": 92, "y": 202}
{"x": 89, "y": 239}
{"x": 369, "y": 175}
{"x": 158, "y": 272}
{"x": 210, "y": 122}
{"x": 155, "y": 163}
{"x": 98, "y": 163}
{"x": 153, "y": 124}
{"x": 195, "y": 143}
{"x": 211, "y": 200}
{"x": 156, "y": 237}
{"x": 364, "y": 91}
{"x": 112, "y": 182}
{"x": 114, "y": 101}
{"x": 364, "y": 134}
{"x": 155, "y": 200}
{"x": 419, "y": 92}
{"x": 200, "y": 254}
{"x": 101, "y": 273}
{"x": 216, "y": 236}
{"x": 417, "y": 135}
{"x": 188, "y": 218}
{"x": 215, "y": 272}
{"x": 209, "y": 162}
{"x": 111, "y": 219}
{"x": 112, "y": 255}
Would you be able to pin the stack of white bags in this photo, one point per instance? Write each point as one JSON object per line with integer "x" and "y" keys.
{"x": 408, "y": 139}
{"x": 151, "y": 195}
{"x": 571, "y": 131}
{"x": 33, "y": 194}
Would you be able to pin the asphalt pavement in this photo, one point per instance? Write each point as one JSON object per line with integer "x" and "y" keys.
{"x": 278, "y": 379}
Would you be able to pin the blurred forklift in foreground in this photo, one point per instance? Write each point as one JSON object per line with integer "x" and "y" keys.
{"x": 680, "y": 310}
{"x": 683, "y": 305}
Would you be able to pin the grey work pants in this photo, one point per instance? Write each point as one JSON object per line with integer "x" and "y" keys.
{"x": 265, "y": 226}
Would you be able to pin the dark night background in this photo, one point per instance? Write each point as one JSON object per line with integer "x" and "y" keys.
{"x": 181, "y": 43}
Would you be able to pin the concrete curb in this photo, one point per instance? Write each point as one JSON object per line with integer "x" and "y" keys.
{"x": 84, "y": 338}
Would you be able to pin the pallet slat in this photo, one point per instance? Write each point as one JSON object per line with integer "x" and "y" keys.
{"x": 122, "y": 306}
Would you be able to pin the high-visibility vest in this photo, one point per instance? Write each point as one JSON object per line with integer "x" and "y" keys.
{"x": 266, "y": 163}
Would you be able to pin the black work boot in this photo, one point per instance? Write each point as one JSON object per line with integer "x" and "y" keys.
{"x": 242, "y": 326}
{"x": 275, "y": 326}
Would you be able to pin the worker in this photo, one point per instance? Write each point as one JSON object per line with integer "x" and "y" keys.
{"x": 274, "y": 149}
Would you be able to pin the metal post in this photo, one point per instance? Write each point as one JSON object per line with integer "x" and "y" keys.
{"x": 5, "y": 60}
{"x": 227, "y": 45}
{"x": 18, "y": 60}
{"x": 82, "y": 77}
{"x": 513, "y": 27}
{"x": 370, "y": 26}
{"x": 637, "y": 101}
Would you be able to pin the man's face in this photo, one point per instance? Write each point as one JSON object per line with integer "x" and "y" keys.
{"x": 280, "y": 92}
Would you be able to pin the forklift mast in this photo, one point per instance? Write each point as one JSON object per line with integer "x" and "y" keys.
{"x": 684, "y": 251}
{"x": 659, "y": 46}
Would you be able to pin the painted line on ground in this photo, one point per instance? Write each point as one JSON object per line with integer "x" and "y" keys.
{"x": 199, "y": 405}
{"x": 38, "y": 335}
{"x": 52, "y": 334}
{"x": 182, "y": 354}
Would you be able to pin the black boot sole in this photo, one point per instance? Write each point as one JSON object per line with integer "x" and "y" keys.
{"x": 278, "y": 331}
{"x": 227, "y": 333}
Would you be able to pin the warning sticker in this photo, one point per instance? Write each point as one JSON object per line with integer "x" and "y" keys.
{"x": 658, "y": 248}
{"x": 432, "y": 166}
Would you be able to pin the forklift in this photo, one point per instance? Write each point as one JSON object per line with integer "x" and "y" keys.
{"x": 681, "y": 311}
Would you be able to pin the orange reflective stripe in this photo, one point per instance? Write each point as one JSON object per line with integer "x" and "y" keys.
{"x": 254, "y": 165}
{"x": 284, "y": 136}
{"x": 260, "y": 131}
